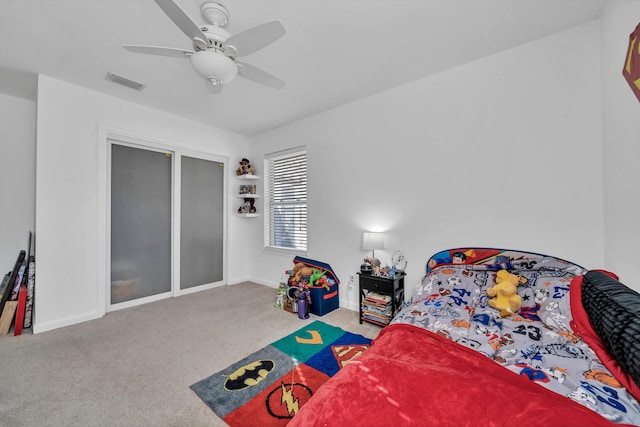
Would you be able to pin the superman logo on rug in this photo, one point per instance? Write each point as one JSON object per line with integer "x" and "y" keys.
{"x": 268, "y": 387}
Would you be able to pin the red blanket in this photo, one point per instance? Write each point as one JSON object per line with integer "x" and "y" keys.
{"x": 413, "y": 377}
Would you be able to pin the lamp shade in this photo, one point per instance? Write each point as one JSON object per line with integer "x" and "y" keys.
{"x": 372, "y": 240}
{"x": 214, "y": 65}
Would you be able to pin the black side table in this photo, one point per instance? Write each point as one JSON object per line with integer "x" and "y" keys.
{"x": 380, "y": 311}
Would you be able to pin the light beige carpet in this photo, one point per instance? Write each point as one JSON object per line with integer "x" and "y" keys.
{"x": 134, "y": 367}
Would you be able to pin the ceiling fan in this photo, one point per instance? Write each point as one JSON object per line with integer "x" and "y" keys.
{"x": 214, "y": 49}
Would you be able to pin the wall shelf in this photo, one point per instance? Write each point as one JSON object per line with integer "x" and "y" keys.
{"x": 248, "y": 177}
{"x": 247, "y": 191}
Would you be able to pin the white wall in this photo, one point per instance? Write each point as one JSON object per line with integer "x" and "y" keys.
{"x": 621, "y": 131}
{"x": 502, "y": 152}
{"x": 17, "y": 184}
{"x": 71, "y": 125}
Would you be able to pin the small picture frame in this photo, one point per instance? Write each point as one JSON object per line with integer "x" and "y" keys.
{"x": 247, "y": 189}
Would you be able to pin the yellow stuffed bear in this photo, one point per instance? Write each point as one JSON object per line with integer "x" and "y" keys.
{"x": 299, "y": 271}
{"x": 504, "y": 295}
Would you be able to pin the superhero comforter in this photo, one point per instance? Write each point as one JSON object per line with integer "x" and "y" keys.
{"x": 448, "y": 358}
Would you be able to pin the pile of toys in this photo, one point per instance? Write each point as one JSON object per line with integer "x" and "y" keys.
{"x": 372, "y": 266}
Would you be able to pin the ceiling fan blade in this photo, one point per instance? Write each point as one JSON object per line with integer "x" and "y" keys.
{"x": 157, "y": 50}
{"x": 258, "y": 75}
{"x": 255, "y": 38}
{"x": 215, "y": 89}
{"x": 181, "y": 19}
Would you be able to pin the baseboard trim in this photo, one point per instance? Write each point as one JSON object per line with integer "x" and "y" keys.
{"x": 259, "y": 281}
{"x": 39, "y": 327}
{"x": 353, "y": 306}
{"x": 239, "y": 280}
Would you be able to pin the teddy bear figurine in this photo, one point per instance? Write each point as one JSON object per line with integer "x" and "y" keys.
{"x": 504, "y": 295}
{"x": 245, "y": 168}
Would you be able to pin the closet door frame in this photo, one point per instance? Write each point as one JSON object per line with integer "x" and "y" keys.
{"x": 104, "y": 226}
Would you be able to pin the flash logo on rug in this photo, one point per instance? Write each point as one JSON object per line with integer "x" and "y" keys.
{"x": 285, "y": 400}
{"x": 346, "y": 353}
{"x": 249, "y": 375}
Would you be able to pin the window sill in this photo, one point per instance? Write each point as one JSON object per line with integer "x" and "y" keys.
{"x": 272, "y": 250}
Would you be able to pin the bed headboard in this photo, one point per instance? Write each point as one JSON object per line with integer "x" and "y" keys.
{"x": 500, "y": 258}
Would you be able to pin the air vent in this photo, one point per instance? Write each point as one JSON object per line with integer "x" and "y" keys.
{"x": 124, "y": 81}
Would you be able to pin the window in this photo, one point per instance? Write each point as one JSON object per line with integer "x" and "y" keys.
{"x": 285, "y": 223}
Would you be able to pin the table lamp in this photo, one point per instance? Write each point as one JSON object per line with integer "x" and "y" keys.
{"x": 372, "y": 241}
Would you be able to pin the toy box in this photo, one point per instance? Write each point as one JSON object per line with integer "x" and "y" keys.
{"x": 322, "y": 300}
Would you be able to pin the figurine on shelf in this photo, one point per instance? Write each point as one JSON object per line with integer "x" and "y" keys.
{"x": 373, "y": 266}
{"x": 247, "y": 189}
{"x": 245, "y": 168}
{"x": 247, "y": 206}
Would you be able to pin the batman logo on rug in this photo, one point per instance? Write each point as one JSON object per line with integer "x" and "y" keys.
{"x": 249, "y": 375}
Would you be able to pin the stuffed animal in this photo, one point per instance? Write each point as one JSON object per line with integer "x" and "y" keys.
{"x": 503, "y": 275}
{"x": 326, "y": 282}
{"x": 504, "y": 295}
{"x": 315, "y": 277}
{"x": 299, "y": 271}
{"x": 245, "y": 168}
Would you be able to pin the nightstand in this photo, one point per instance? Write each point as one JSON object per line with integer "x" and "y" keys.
{"x": 380, "y": 298}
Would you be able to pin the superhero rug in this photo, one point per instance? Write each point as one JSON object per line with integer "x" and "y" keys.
{"x": 268, "y": 387}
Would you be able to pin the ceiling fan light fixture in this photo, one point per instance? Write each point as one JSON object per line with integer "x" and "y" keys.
{"x": 215, "y": 49}
{"x": 210, "y": 64}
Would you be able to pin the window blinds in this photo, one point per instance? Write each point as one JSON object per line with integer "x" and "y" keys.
{"x": 286, "y": 200}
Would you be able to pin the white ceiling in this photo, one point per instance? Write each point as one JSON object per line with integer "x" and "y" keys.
{"x": 334, "y": 52}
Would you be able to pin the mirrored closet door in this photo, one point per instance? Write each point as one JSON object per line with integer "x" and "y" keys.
{"x": 167, "y": 223}
{"x": 140, "y": 223}
{"x": 201, "y": 222}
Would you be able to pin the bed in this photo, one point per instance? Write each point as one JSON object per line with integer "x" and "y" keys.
{"x": 569, "y": 356}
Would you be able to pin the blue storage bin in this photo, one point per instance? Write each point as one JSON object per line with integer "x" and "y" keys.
{"x": 322, "y": 300}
